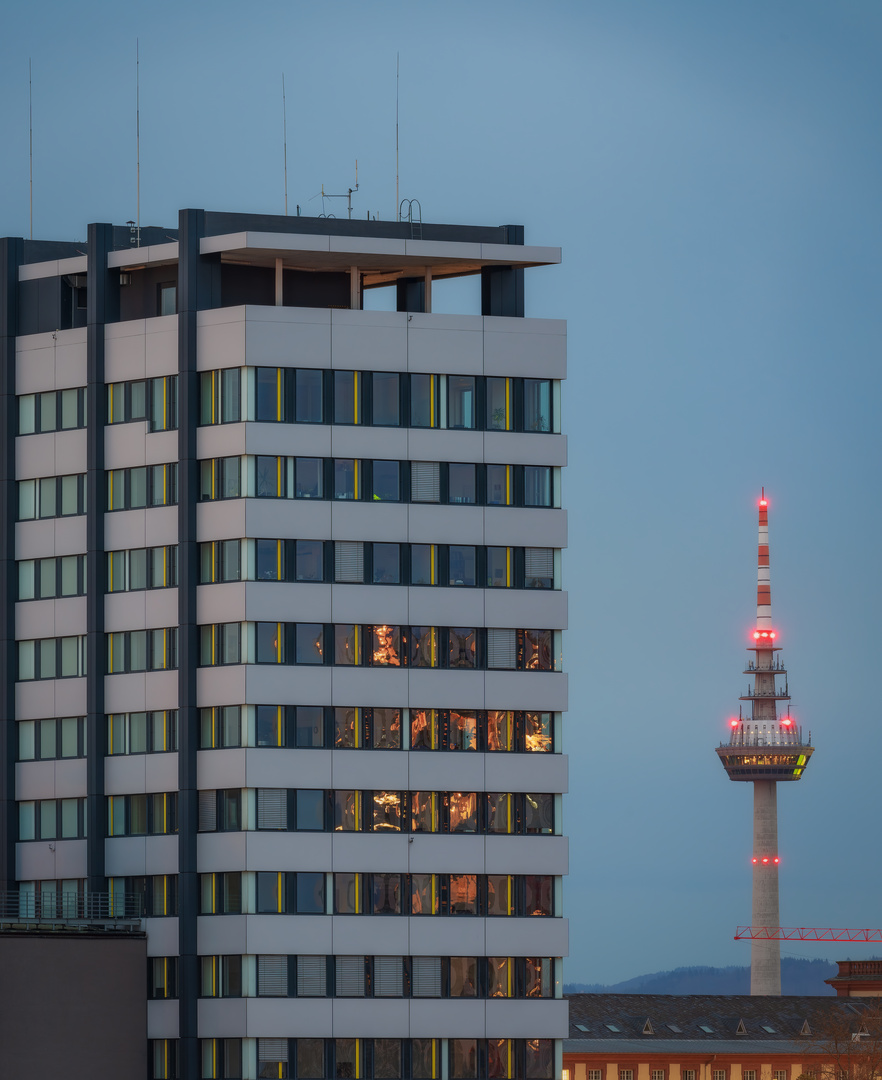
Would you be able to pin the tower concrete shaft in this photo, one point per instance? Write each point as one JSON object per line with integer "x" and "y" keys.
{"x": 765, "y": 956}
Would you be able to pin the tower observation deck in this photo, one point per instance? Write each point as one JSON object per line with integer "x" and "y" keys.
{"x": 765, "y": 748}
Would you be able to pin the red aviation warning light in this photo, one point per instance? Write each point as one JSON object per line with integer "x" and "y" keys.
{"x": 766, "y": 860}
{"x": 733, "y": 722}
{"x": 786, "y": 721}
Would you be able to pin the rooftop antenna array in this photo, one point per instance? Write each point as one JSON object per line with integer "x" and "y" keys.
{"x": 138, "y": 141}
{"x": 31, "y": 144}
{"x": 348, "y": 196}
{"x": 285, "y": 141}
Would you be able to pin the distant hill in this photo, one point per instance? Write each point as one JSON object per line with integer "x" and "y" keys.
{"x": 797, "y": 977}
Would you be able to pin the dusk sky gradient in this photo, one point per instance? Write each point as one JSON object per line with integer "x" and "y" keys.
{"x": 713, "y": 173}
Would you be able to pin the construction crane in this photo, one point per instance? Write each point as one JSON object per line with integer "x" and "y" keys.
{"x": 805, "y": 933}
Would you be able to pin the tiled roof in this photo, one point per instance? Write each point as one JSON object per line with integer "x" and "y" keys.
{"x": 702, "y": 1017}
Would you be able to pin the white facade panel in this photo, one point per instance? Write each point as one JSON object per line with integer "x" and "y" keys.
{"x": 70, "y": 697}
{"x": 162, "y": 346}
{"x": 447, "y": 936}
{"x": 446, "y": 607}
{"x": 162, "y": 1019}
{"x": 363, "y": 1018}
{"x": 287, "y": 768}
{"x": 439, "y": 854}
{"x": 285, "y": 602}
{"x": 289, "y": 440}
{"x": 525, "y": 526}
{"x": 36, "y": 539}
{"x": 433, "y": 524}
{"x": 381, "y": 687}
{"x": 537, "y": 1019}
{"x": 161, "y": 772}
{"x": 289, "y": 851}
{"x": 525, "y": 772}
{"x": 287, "y": 686}
{"x": 217, "y": 769}
{"x": 222, "y": 520}
{"x": 125, "y": 693}
{"x": 125, "y": 856}
{"x": 125, "y": 774}
{"x": 220, "y": 686}
{"x": 125, "y": 351}
{"x": 220, "y": 338}
{"x": 273, "y": 1018}
{"x": 369, "y": 340}
{"x": 368, "y": 852}
{"x": 287, "y": 337}
{"x": 534, "y": 348}
{"x": 442, "y": 444}
{"x": 219, "y": 1016}
{"x": 461, "y": 771}
{"x": 299, "y": 518}
{"x": 540, "y": 854}
{"x": 35, "y": 456}
{"x": 221, "y": 603}
{"x": 453, "y": 1019}
{"x": 388, "y": 444}
{"x": 70, "y": 535}
{"x": 162, "y": 936}
{"x": 382, "y": 770}
{"x": 307, "y": 934}
{"x": 125, "y": 445}
{"x": 446, "y": 689}
{"x": 125, "y": 611}
{"x": 221, "y": 851}
{"x": 220, "y": 935}
{"x": 445, "y": 343}
{"x": 50, "y": 361}
{"x": 542, "y": 691}
{"x": 524, "y": 448}
{"x": 354, "y": 934}
{"x": 526, "y": 608}
{"x": 34, "y": 700}
{"x": 226, "y": 440}
{"x": 50, "y": 779}
{"x": 368, "y": 521}
{"x": 369, "y": 605}
{"x": 527, "y": 937}
{"x": 42, "y": 860}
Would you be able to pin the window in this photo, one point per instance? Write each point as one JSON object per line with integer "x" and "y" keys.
{"x": 162, "y": 974}
{"x": 52, "y": 658}
{"x": 424, "y": 410}
{"x": 168, "y": 298}
{"x": 142, "y": 650}
{"x": 346, "y": 478}
{"x": 346, "y": 397}
{"x": 308, "y": 478}
{"x": 52, "y": 496}
{"x": 220, "y": 478}
{"x": 537, "y": 485}
{"x": 499, "y": 404}
{"x": 142, "y": 815}
{"x": 152, "y": 485}
{"x": 748, "y": 1074}
{"x": 308, "y": 396}
{"x": 423, "y": 564}
{"x": 153, "y": 400}
{"x": 425, "y": 481}
{"x": 142, "y": 568}
{"x": 349, "y": 561}
{"x": 56, "y": 410}
{"x": 386, "y": 569}
{"x": 221, "y": 976}
{"x": 462, "y": 565}
{"x": 423, "y": 642}
{"x": 385, "y": 391}
{"x": 52, "y": 819}
{"x": 221, "y": 1059}
{"x": 462, "y": 647}
{"x": 461, "y": 483}
{"x": 270, "y": 477}
{"x": 221, "y": 894}
{"x": 309, "y": 560}
{"x": 538, "y": 568}
{"x": 386, "y": 483}
{"x": 220, "y": 396}
{"x": 41, "y": 740}
{"x": 537, "y": 405}
{"x": 500, "y": 491}
{"x": 142, "y": 732}
{"x": 463, "y": 976}
{"x": 719, "y": 1074}
{"x": 461, "y": 395}
{"x": 499, "y": 567}
{"x": 43, "y": 579}
{"x": 268, "y": 394}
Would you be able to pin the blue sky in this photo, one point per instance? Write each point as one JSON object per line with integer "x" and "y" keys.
{"x": 712, "y": 173}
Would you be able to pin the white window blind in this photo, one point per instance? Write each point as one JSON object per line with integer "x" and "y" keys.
{"x": 501, "y": 648}
{"x": 272, "y": 808}
{"x": 272, "y": 976}
{"x": 350, "y": 976}
{"x": 349, "y": 560}
{"x": 427, "y": 976}
{"x": 207, "y": 811}
{"x": 388, "y": 976}
{"x": 425, "y": 481}
{"x": 272, "y": 1050}
{"x": 311, "y": 976}
{"x": 538, "y": 562}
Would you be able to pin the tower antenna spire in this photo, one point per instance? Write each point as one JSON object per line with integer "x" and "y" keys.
{"x": 138, "y": 140}
{"x": 285, "y": 141}
{"x": 31, "y": 147}
{"x": 397, "y": 70}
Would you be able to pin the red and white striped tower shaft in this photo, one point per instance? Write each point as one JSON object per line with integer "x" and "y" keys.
{"x": 765, "y": 750}
{"x": 765, "y": 956}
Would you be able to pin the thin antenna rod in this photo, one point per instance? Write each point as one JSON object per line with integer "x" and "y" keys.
{"x": 31, "y": 142}
{"x": 285, "y": 141}
{"x": 397, "y": 70}
{"x": 138, "y": 136}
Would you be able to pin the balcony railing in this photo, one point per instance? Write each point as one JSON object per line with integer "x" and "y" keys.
{"x": 750, "y": 734}
{"x": 68, "y": 907}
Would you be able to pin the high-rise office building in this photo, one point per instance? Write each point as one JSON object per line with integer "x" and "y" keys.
{"x": 281, "y": 654}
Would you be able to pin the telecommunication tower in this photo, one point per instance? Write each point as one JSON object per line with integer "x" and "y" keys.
{"x": 765, "y": 749}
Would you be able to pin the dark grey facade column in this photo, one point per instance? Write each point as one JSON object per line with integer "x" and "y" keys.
{"x": 502, "y": 287}
{"x": 410, "y": 294}
{"x": 102, "y": 306}
{"x": 198, "y": 289}
{"x": 11, "y": 257}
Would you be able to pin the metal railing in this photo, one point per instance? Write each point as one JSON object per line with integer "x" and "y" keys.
{"x": 53, "y": 906}
{"x": 750, "y": 734}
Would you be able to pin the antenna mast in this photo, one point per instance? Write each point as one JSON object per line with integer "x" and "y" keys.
{"x": 397, "y": 69}
{"x": 31, "y": 143}
{"x": 285, "y": 141}
{"x": 138, "y": 138}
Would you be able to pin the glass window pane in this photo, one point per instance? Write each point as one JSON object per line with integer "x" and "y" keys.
{"x": 386, "y": 729}
{"x": 346, "y": 479}
{"x": 310, "y": 894}
{"x": 310, "y": 725}
{"x": 69, "y": 409}
{"x": 500, "y": 812}
{"x": 423, "y": 646}
{"x": 385, "y": 646}
{"x": 463, "y": 976}
{"x": 537, "y": 731}
{"x": 47, "y": 658}
{"x": 267, "y": 560}
{"x": 460, "y": 401}
{"x": 159, "y": 576}
{"x": 461, "y": 483}
{"x": 347, "y": 644}
{"x": 539, "y": 813}
{"x": 47, "y": 497}
{"x": 463, "y": 811}
{"x": 269, "y": 643}
{"x": 311, "y": 1059}
{"x": 137, "y": 487}
{"x": 268, "y": 404}
{"x": 310, "y": 810}
{"x": 463, "y": 894}
{"x": 347, "y": 811}
{"x": 70, "y": 655}
{"x": 425, "y": 1055}
{"x": 69, "y": 567}
{"x": 230, "y": 395}
{"x": 138, "y": 568}
{"x": 424, "y": 401}
{"x": 463, "y": 730}
{"x": 310, "y": 560}
{"x": 27, "y": 494}
{"x": 69, "y": 729}
{"x": 47, "y": 579}
{"x": 308, "y": 396}
{"x": 26, "y": 740}
{"x": 347, "y": 727}
{"x": 462, "y": 647}
{"x": 269, "y": 477}
{"x": 310, "y": 643}
{"x": 230, "y": 469}
{"x": 69, "y": 495}
{"x": 27, "y": 826}
{"x": 462, "y": 565}
{"x": 230, "y": 558}
{"x": 269, "y": 725}
{"x": 386, "y": 894}
{"x": 308, "y": 478}
{"x": 346, "y": 397}
{"x": 537, "y": 485}
{"x": 26, "y": 660}
{"x": 422, "y": 564}
{"x": 347, "y": 894}
{"x": 138, "y": 408}
{"x": 425, "y": 895}
{"x": 500, "y": 894}
{"x": 47, "y": 739}
{"x": 499, "y": 489}
{"x": 463, "y": 1059}
{"x": 387, "y": 564}
{"x": 386, "y": 482}
{"x": 138, "y": 733}
{"x": 499, "y": 567}
{"x": 137, "y": 650}
{"x": 69, "y": 818}
{"x": 231, "y": 725}
{"x": 385, "y": 398}
{"x": 424, "y": 729}
{"x": 47, "y": 411}
{"x": 26, "y": 579}
{"x": 48, "y": 824}
{"x": 537, "y": 650}
{"x": 537, "y": 405}
{"x": 229, "y": 643}
{"x": 27, "y": 419}
{"x": 500, "y": 730}
{"x": 498, "y": 404}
